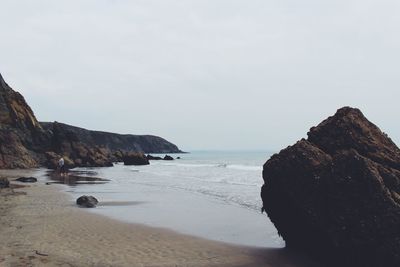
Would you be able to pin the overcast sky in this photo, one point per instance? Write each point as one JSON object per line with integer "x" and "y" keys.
{"x": 206, "y": 74}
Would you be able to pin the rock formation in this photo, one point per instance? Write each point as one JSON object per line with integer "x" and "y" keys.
{"x": 26, "y": 143}
{"x": 336, "y": 195}
{"x": 135, "y": 159}
{"x": 21, "y": 135}
{"x": 150, "y": 157}
{"x": 168, "y": 157}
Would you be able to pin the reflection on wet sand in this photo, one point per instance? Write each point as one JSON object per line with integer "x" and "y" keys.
{"x": 74, "y": 178}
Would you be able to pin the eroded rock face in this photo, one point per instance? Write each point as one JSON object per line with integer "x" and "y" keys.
{"x": 336, "y": 195}
{"x": 21, "y": 135}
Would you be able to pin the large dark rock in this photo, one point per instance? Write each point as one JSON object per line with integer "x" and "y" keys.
{"x": 4, "y": 183}
{"x": 336, "y": 195}
{"x": 150, "y": 157}
{"x": 135, "y": 159}
{"x": 87, "y": 201}
{"x": 168, "y": 157}
{"x": 26, "y": 143}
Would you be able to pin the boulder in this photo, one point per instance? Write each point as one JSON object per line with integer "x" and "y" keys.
{"x": 167, "y": 157}
{"x": 87, "y": 201}
{"x": 150, "y": 157}
{"x": 336, "y": 195}
{"x": 26, "y": 179}
{"x": 4, "y": 183}
{"x": 135, "y": 159}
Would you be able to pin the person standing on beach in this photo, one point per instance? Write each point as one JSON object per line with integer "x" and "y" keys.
{"x": 61, "y": 166}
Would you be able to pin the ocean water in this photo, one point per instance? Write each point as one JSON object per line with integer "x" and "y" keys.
{"x": 209, "y": 194}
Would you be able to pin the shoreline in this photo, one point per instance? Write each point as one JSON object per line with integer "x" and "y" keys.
{"x": 41, "y": 226}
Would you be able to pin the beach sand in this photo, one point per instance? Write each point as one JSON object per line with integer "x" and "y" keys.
{"x": 42, "y": 226}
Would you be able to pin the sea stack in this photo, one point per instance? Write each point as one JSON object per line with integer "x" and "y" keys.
{"x": 336, "y": 195}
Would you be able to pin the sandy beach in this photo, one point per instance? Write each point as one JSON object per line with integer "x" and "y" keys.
{"x": 42, "y": 226}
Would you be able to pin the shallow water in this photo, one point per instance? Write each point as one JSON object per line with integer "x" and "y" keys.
{"x": 214, "y": 195}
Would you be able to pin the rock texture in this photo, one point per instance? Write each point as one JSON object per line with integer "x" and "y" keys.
{"x": 336, "y": 195}
{"x": 135, "y": 159}
{"x": 26, "y": 143}
{"x": 21, "y": 135}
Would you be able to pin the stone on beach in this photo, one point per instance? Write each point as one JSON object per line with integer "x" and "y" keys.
{"x": 26, "y": 179}
{"x": 87, "y": 201}
{"x": 336, "y": 195}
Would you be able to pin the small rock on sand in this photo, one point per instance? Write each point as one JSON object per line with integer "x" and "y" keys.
{"x": 27, "y": 179}
{"x": 87, "y": 201}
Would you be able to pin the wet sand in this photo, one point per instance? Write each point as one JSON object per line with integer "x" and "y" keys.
{"x": 41, "y": 226}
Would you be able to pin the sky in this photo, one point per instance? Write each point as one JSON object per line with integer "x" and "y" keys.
{"x": 204, "y": 74}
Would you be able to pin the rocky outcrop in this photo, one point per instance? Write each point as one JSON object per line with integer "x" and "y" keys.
{"x": 21, "y": 135}
{"x": 168, "y": 157}
{"x": 26, "y": 143}
{"x": 150, "y": 157}
{"x": 336, "y": 195}
{"x": 113, "y": 142}
{"x": 87, "y": 201}
{"x": 135, "y": 159}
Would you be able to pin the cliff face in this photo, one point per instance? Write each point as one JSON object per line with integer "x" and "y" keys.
{"x": 21, "y": 135}
{"x": 83, "y": 147}
{"x": 337, "y": 194}
{"x": 26, "y": 143}
{"x": 110, "y": 141}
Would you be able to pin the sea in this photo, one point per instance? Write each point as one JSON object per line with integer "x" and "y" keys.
{"x": 209, "y": 194}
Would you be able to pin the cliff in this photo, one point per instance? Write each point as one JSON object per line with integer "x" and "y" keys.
{"x": 112, "y": 141}
{"x": 336, "y": 195}
{"x": 21, "y": 135}
{"x": 26, "y": 143}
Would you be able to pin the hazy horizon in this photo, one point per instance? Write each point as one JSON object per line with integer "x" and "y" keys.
{"x": 205, "y": 75}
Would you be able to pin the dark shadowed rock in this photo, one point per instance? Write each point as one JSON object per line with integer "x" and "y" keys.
{"x": 87, "y": 201}
{"x": 167, "y": 157}
{"x": 336, "y": 195}
{"x": 135, "y": 159}
{"x": 150, "y": 157}
{"x": 26, "y": 179}
{"x": 4, "y": 183}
